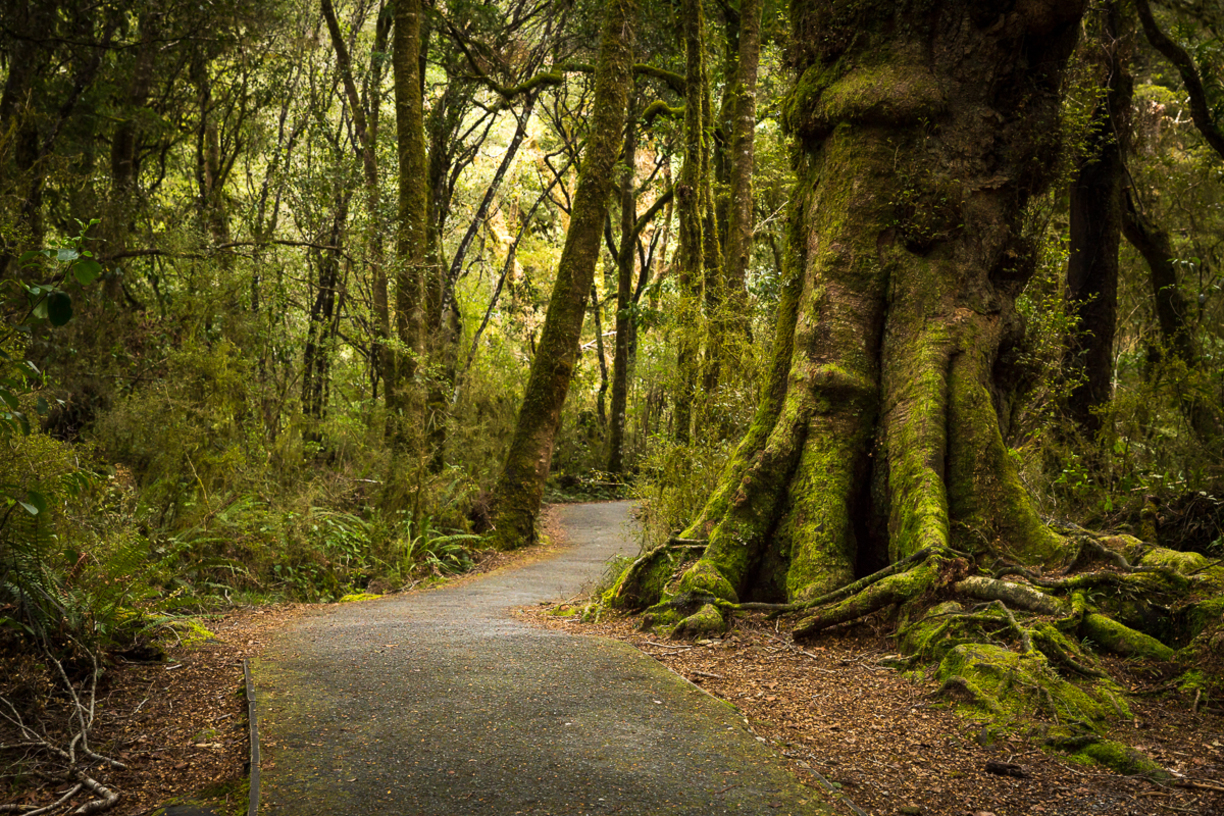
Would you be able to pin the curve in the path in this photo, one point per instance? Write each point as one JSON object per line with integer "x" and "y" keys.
{"x": 440, "y": 702}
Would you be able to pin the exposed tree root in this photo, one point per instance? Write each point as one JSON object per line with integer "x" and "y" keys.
{"x": 72, "y": 753}
{"x": 843, "y": 592}
{"x": 894, "y": 589}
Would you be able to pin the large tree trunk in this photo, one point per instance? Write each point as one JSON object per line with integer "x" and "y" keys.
{"x": 923, "y": 130}
{"x": 521, "y": 484}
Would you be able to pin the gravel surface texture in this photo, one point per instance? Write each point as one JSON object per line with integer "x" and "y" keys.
{"x": 441, "y": 702}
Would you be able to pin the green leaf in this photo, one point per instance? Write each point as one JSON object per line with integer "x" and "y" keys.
{"x": 22, "y": 421}
{"x": 41, "y": 405}
{"x": 59, "y": 308}
{"x": 86, "y": 270}
{"x": 40, "y": 309}
{"x": 26, "y": 257}
{"x": 67, "y": 254}
{"x": 36, "y": 500}
{"x": 9, "y": 398}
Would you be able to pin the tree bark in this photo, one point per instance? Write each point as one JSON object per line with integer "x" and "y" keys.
{"x": 692, "y": 208}
{"x": 1096, "y": 227}
{"x": 365, "y": 125}
{"x": 521, "y": 483}
{"x": 740, "y": 222}
{"x": 922, "y": 134}
{"x": 415, "y": 267}
{"x": 1172, "y": 313}
{"x": 624, "y": 291}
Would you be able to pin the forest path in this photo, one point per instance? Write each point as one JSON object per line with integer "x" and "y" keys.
{"x": 441, "y": 702}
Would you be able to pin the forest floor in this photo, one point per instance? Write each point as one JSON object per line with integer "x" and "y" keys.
{"x": 847, "y": 724}
{"x": 844, "y": 723}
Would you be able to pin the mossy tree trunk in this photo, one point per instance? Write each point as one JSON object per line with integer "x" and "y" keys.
{"x": 740, "y": 221}
{"x": 625, "y": 257}
{"x": 698, "y": 257}
{"x": 1096, "y": 222}
{"x": 874, "y": 475}
{"x": 415, "y": 265}
{"x": 922, "y": 130}
{"x": 520, "y": 486}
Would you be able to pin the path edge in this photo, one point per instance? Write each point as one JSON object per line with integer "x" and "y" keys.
{"x": 253, "y": 722}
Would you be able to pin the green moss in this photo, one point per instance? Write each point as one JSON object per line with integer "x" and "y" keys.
{"x": 643, "y": 584}
{"x": 1183, "y": 562}
{"x": 984, "y": 489}
{"x": 1122, "y": 759}
{"x": 1192, "y": 680}
{"x": 704, "y": 622}
{"x": 1122, "y": 640}
{"x": 883, "y": 94}
{"x": 922, "y": 636}
{"x": 358, "y": 596}
{"x": 705, "y": 578}
{"x": 1204, "y": 616}
{"x": 817, "y": 529}
{"x": 191, "y": 633}
{"x": 1019, "y": 686}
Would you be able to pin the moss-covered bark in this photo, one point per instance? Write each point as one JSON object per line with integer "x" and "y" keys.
{"x": 691, "y": 209}
{"x": 875, "y": 476}
{"x": 412, "y": 264}
{"x": 521, "y": 483}
{"x": 1096, "y": 207}
{"x": 914, "y": 164}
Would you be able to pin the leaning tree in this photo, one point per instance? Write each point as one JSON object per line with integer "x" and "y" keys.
{"x": 875, "y": 472}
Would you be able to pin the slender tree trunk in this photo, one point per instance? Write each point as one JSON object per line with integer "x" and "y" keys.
{"x": 1172, "y": 312}
{"x": 601, "y": 399}
{"x": 316, "y": 357}
{"x": 125, "y": 171}
{"x": 624, "y": 292}
{"x": 521, "y": 484}
{"x": 741, "y": 224}
{"x": 1096, "y": 227}
{"x": 691, "y": 208}
{"x": 414, "y": 262}
{"x": 366, "y": 127}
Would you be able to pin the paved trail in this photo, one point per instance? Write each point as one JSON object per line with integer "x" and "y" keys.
{"x": 440, "y": 702}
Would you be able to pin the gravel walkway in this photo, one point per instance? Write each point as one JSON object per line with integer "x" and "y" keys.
{"x": 440, "y": 702}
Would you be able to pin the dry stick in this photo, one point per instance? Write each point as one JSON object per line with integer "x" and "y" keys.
{"x": 22, "y": 809}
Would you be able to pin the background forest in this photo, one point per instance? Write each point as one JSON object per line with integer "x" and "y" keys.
{"x": 273, "y": 280}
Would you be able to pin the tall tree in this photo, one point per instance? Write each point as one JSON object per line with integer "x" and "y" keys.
{"x": 698, "y": 232}
{"x": 1096, "y": 204}
{"x": 520, "y": 486}
{"x": 740, "y": 224}
{"x": 365, "y": 113}
{"x": 923, "y": 130}
{"x": 416, "y": 273}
